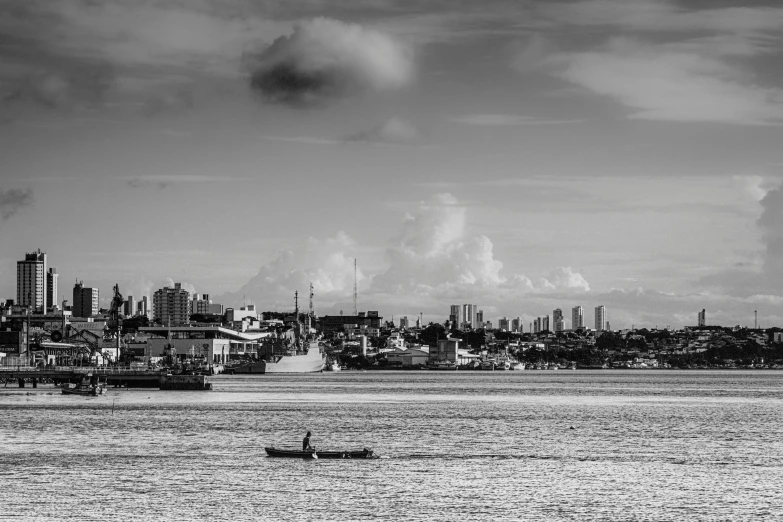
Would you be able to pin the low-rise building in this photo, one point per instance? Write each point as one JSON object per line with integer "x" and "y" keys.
{"x": 213, "y": 344}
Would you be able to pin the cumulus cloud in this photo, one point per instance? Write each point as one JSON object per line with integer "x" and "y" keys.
{"x": 565, "y": 277}
{"x": 394, "y": 131}
{"x": 14, "y": 200}
{"x": 328, "y": 264}
{"x": 324, "y": 60}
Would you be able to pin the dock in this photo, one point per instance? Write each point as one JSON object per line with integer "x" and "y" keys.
{"x": 117, "y": 377}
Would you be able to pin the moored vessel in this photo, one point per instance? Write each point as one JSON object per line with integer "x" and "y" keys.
{"x": 294, "y": 348}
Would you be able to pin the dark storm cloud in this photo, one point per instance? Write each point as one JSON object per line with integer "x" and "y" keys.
{"x": 14, "y": 200}
{"x": 324, "y": 60}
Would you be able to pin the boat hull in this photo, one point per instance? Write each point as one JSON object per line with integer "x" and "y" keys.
{"x": 297, "y": 454}
{"x": 311, "y": 362}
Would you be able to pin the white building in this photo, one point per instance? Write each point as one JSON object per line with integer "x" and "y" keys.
{"x": 600, "y": 318}
{"x": 577, "y": 318}
{"x": 31, "y": 282}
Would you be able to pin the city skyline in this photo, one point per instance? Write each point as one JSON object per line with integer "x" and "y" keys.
{"x": 525, "y": 156}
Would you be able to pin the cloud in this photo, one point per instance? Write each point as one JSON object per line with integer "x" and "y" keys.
{"x": 667, "y": 84}
{"x": 326, "y": 263}
{"x": 324, "y": 60}
{"x": 766, "y": 275}
{"x": 163, "y": 181}
{"x": 394, "y": 131}
{"x": 507, "y": 120}
{"x": 433, "y": 259}
{"x": 680, "y": 64}
{"x": 14, "y": 200}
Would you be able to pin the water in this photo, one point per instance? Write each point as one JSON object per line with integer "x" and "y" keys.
{"x": 655, "y": 445}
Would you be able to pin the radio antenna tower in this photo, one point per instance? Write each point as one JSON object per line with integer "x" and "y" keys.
{"x": 312, "y": 310}
{"x": 755, "y": 319}
{"x": 355, "y": 293}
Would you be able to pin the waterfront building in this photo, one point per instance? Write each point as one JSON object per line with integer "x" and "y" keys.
{"x": 703, "y": 317}
{"x": 446, "y": 350}
{"x": 557, "y": 320}
{"x": 503, "y": 324}
{"x": 51, "y": 288}
{"x": 600, "y": 318}
{"x": 31, "y": 287}
{"x": 171, "y": 306}
{"x": 577, "y": 318}
{"x": 85, "y": 300}
{"x": 363, "y": 321}
{"x": 212, "y": 344}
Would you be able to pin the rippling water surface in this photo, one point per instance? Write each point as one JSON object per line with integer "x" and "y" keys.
{"x": 657, "y": 445}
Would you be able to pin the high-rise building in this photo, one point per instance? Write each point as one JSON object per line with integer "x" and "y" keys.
{"x": 557, "y": 320}
{"x": 85, "y": 300}
{"x": 202, "y": 304}
{"x": 600, "y": 318}
{"x": 545, "y": 324}
{"x": 480, "y": 318}
{"x": 171, "y": 306}
{"x": 537, "y": 325}
{"x": 455, "y": 316}
{"x": 31, "y": 282}
{"x": 130, "y": 307}
{"x": 51, "y": 288}
{"x": 463, "y": 316}
{"x": 516, "y": 324}
{"x": 143, "y": 307}
{"x": 404, "y": 322}
{"x": 577, "y": 318}
{"x": 703, "y": 318}
{"x": 503, "y": 324}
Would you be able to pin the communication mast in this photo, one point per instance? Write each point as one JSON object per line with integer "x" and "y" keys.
{"x": 312, "y": 310}
{"x": 355, "y": 292}
{"x": 755, "y": 319}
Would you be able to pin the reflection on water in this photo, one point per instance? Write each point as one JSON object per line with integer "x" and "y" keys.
{"x": 512, "y": 445}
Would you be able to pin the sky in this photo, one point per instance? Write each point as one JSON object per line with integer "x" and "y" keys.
{"x": 518, "y": 155}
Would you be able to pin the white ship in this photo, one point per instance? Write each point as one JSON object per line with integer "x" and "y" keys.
{"x": 293, "y": 349}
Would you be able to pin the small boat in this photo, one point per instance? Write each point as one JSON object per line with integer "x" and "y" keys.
{"x": 313, "y": 454}
{"x": 90, "y": 385}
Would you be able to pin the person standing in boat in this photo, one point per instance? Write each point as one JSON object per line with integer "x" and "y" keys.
{"x": 306, "y": 442}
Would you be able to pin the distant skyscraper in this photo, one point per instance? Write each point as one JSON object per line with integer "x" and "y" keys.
{"x": 404, "y": 322}
{"x": 51, "y": 288}
{"x": 143, "y": 307}
{"x": 557, "y": 320}
{"x": 600, "y": 318}
{"x": 537, "y": 325}
{"x": 545, "y": 324}
{"x": 503, "y": 324}
{"x": 85, "y": 300}
{"x": 577, "y": 318}
{"x": 455, "y": 316}
{"x": 516, "y": 324}
{"x": 130, "y": 307}
{"x": 703, "y": 318}
{"x": 31, "y": 281}
{"x": 480, "y": 318}
{"x": 463, "y": 316}
{"x": 171, "y": 306}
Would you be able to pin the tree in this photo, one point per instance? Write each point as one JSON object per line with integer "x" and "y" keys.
{"x": 432, "y": 334}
